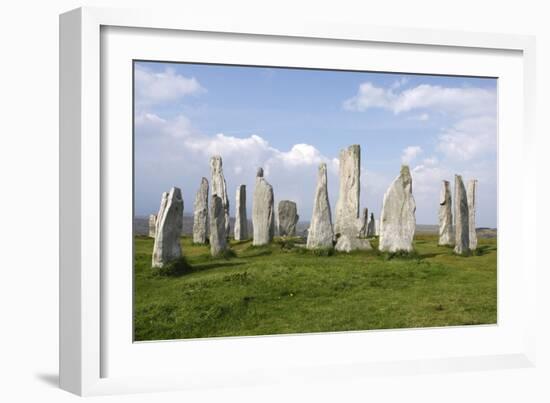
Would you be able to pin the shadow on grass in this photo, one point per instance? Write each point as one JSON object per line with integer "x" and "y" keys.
{"x": 181, "y": 267}
{"x": 215, "y": 265}
{"x": 483, "y": 250}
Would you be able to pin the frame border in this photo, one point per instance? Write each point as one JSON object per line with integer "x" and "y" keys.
{"x": 80, "y": 174}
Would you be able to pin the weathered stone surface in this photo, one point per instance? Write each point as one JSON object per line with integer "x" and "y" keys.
{"x": 371, "y": 228}
{"x": 446, "y": 233}
{"x": 347, "y": 206}
{"x": 152, "y": 225}
{"x": 472, "y": 190}
{"x": 287, "y": 217}
{"x": 348, "y": 243}
{"x": 462, "y": 236}
{"x": 320, "y": 233}
{"x": 263, "y": 214}
{"x": 219, "y": 187}
{"x": 241, "y": 223}
{"x": 364, "y": 223}
{"x": 169, "y": 226}
{"x": 218, "y": 237}
{"x": 398, "y": 220}
{"x": 200, "y": 215}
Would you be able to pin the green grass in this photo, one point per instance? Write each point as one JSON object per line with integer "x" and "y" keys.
{"x": 282, "y": 288}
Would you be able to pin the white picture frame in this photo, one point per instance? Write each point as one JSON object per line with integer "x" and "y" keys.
{"x": 86, "y": 345}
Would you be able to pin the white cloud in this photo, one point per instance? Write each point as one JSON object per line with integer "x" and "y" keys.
{"x": 185, "y": 159}
{"x": 370, "y": 96}
{"x": 167, "y": 86}
{"x": 410, "y": 153}
{"x": 469, "y": 138}
{"x": 461, "y": 101}
{"x": 423, "y": 117}
{"x": 399, "y": 83}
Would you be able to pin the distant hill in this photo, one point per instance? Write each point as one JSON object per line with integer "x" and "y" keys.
{"x": 141, "y": 227}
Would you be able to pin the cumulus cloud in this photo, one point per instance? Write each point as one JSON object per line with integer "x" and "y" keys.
{"x": 465, "y": 101}
{"x": 471, "y": 112}
{"x": 410, "y": 153}
{"x": 166, "y": 86}
{"x": 469, "y": 138}
{"x": 185, "y": 159}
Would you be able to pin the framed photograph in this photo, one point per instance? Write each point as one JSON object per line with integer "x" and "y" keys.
{"x": 253, "y": 202}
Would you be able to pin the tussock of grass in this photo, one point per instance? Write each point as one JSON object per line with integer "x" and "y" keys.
{"x": 283, "y": 288}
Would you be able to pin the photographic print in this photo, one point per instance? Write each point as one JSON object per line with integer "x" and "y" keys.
{"x": 273, "y": 200}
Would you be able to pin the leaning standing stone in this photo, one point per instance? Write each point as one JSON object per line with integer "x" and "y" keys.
{"x": 462, "y": 236}
{"x": 398, "y": 220}
{"x": 219, "y": 187}
{"x": 200, "y": 215}
{"x": 472, "y": 190}
{"x": 347, "y": 207}
{"x": 320, "y": 233}
{"x": 169, "y": 226}
{"x": 218, "y": 238}
{"x": 287, "y": 217}
{"x": 263, "y": 216}
{"x": 445, "y": 215}
{"x": 152, "y": 225}
{"x": 241, "y": 222}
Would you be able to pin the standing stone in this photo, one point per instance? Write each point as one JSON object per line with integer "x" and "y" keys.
{"x": 200, "y": 216}
{"x": 287, "y": 218}
{"x": 263, "y": 215}
{"x": 320, "y": 233}
{"x": 462, "y": 236}
{"x": 219, "y": 187}
{"x": 347, "y": 207}
{"x": 218, "y": 237}
{"x": 364, "y": 223}
{"x": 241, "y": 223}
{"x": 398, "y": 221}
{"x": 371, "y": 228}
{"x": 152, "y": 225}
{"x": 472, "y": 190}
{"x": 169, "y": 226}
{"x": 445, "y": 215}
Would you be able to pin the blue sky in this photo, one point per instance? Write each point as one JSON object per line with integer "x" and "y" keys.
{"x": 290, "y": 120}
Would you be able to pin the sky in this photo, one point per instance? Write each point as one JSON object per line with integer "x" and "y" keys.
{"x": 290, "y": 120}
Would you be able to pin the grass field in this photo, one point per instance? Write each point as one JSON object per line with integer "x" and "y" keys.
{"x": 283, "y": 289}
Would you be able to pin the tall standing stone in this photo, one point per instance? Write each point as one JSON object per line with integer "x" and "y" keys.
{"x": 152, "y": 225}
{"x": 371, "y": 228}
{"x": 241, "y": 222}
{"x": 200, "y": 215}
{"x": 287, "y": 214}
{"x": 364, "y": 223}
{"x": 169, "y": 226}
{"x": 462, "y": 235}
{"x": 398, "y": 220}
{"x": 446, "y": 234}
{"x": 320, "y": 233}
{"x": 218, "y": 237}
{"x": 347, "y": 206}
{"x": 472, "y": 190}
{"x": 219, "y": 187}
{"x": 263, "y": 214}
